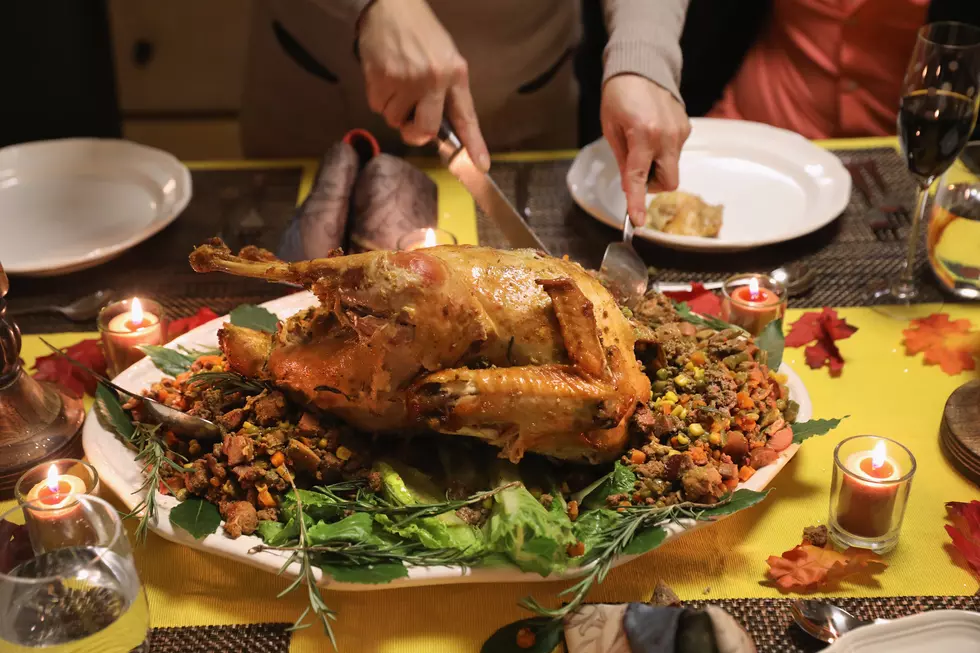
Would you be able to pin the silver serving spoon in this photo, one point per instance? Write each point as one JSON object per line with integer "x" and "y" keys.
{"x": 797, "y": 277}
{"x": 622, "y": 267}
{"x": 189, "y": 426}
{"x": 80, "y": 310}
{"x": 825, "y": 621}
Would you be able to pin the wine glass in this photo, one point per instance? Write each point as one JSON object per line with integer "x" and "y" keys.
{"x": 936, "y": 115}
{"x": 67, "y": 579}
{"x": 953, "y": 234}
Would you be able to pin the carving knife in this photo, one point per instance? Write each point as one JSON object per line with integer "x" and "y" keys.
{"x": 485, "y": 191}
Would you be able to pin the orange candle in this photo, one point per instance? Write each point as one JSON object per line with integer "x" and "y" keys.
{"x": 752, "y": 306}
{"x": 422, "y": 238}
{"x": 127, "y": 331}
{"x": 57, "y": 494}
{"x": 865, "y": 505}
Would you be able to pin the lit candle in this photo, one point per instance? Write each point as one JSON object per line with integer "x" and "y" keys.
{"x": 867, "y": 500}
{"x": 422, "y": 238}
{"x": 56, "y": 493}
{"x": 128, "y": 328}
{"x": 751, "y": 305}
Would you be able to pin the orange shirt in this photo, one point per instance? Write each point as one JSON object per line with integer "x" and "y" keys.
{"x": 827, "y": 68}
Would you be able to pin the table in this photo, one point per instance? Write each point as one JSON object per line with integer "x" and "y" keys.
{"x": 883, "y": 391}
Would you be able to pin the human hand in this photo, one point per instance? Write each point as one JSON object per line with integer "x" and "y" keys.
{"x": 643, "y": 124}
{"x": 411, "y": 63}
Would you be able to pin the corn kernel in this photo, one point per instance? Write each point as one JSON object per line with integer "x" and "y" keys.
{"x": 715, "y": 439}
{"x": 679, "y": 411}
{"x": 683, "y": 440}
{"x": 344, "y": 453}
{"x": 689, "y": 366}
{"x": 695, "y": 430}
{"x": 670, "y": 397}
{"x": 682, "y": 380}
{"x": 698, "y": 374}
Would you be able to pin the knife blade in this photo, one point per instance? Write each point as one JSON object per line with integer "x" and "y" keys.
{"x": 485, "y": 191}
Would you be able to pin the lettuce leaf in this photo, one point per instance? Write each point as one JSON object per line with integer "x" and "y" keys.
{"x": 532, "y": 536}
{"x": 590, "y": 524}
{"x": 619, "y": 481}
{"x": 406, "y": 486}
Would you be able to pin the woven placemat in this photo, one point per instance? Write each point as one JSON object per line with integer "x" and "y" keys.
{"x": 242, "y": 206}
{"x": 770, "y": 622}
{"x": 249, "y": 638}
{"x": 846, "y": 254}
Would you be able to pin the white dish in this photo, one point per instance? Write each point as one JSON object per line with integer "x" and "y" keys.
{"x": 949, "y": 631}
{"x": 120, "y": 472}
{"x": 71, "y": 204}
{"x": 774, "y": 184}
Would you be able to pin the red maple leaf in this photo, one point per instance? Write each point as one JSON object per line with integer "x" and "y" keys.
{"x": 699, "y": 299}
{"x": 185, "y": 324}
{"x": 965, "y": 532}
{"x": 947, "y": 343}
{"x": 74, "y": 381}
{"x": 823, "y": 329}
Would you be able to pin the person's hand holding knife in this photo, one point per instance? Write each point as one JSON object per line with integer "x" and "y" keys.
{"x": 414, "y": 73}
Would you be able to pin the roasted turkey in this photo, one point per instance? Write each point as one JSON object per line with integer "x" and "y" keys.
{"x": 528, "y": 352}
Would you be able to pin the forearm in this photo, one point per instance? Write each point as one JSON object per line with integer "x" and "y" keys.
{"x": 644, "y": 39}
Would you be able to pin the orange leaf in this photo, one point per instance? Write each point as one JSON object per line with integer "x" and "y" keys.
{"x": 807, "y": 567}
{"x": 944, "y": 342}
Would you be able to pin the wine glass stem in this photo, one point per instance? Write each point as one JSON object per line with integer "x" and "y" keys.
{"x": 906, "y": 278}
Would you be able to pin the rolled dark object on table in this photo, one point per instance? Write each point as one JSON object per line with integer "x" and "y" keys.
{"x": 320, "y": 222}
{"x": 391, "y": 198}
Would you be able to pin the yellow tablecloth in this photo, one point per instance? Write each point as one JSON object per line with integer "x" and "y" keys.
{"x": 884, "y": 391}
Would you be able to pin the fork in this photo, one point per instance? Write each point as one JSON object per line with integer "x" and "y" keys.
{"x": 886, "y": 217}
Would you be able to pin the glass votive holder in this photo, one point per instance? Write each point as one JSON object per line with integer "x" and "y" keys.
{"x": 869, "y": 492}
{"x": 50, "y": 493}
{"x": 427, "y": 237}
{"x": 752, "y": 301}
{"x": 127, "y": 324}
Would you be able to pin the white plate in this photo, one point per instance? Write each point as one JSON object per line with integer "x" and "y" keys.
{"x": 120, "y": 472}
{"x": 71, "y": 204}
{"x": 949, "y": 631}
{"x": 775, "y": 185}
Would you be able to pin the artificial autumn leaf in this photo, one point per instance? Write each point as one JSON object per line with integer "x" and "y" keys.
{"x": 76, "y": 382}
{"x": 699, "y": 299}
{"x": 812, "y": 325}
{"x": 807, "y": 567}
{"x": 822, "y": 329}
{"x": 965, "y": 532}
{"x": 185, "y": 324}
{"x": 947, "y": 343}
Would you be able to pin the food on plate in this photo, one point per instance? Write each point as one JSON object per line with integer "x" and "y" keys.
{"x": 684, "y": 214}
{"x": 528, "y": 352}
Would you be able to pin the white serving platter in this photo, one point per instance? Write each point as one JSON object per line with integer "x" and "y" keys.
{"x": 774, "y": 184}
{"x": 120, "y": 472}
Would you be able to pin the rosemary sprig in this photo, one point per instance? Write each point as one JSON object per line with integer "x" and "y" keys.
{"x": 151, "y": 453}
{"x": 361, "y": 554}
{"x": 702, "y": 321}
{"x": 378, "y": 504}
{"x": 612, "y": 544}
{"x": 228, "y": 381}
{"x": 306, "y": 576}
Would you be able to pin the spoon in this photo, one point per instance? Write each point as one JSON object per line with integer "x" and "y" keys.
{"x": 825, "y": 621}
{"x": 797, "y": 277}
{"x": 180, "y": 423}
{"x": 622, "y": 267}
{"x": 83, "y": 308}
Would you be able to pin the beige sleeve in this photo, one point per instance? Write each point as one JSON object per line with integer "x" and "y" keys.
{"x": 347, "y": 11}
{"x": 644, "y": 38}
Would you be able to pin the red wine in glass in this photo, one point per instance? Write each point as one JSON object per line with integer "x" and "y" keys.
{"x": 933, "y": 127}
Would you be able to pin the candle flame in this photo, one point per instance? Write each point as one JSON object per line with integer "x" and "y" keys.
{"x": 430, "y": 238}
{"x": 137, "y": 310}
{"x": 878, "y": 455}
{"x": 53, "y": 479}
{"x": 753, "y": 286}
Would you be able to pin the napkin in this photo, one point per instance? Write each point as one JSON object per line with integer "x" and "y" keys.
{"x": 642, "y": 628}
{"x": 360, "y": 200}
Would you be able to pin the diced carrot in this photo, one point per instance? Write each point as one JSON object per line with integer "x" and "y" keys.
{"x": 575, "y": 550}
{"x": 277, "y": 459}
{"x": 745, "y": 473}
{"x": 683, "y": 399}
{"x": 744, "y": 400}
{"x": 731, "y": 483}
{"x": 755, "y": 444}
{"x": 266, "y": 499}
{"x": 781, "y": 438}
{"x": 573, "y": 510}
{"x": 666, "y": 408}
{"x": 698, "y": 358}
{"x": 214, "y": 481}
{"x": 699, "y": 456}
{"x": 163, "y": 488}
{"x": 637, "y": 457}
{"x": 755, "y": 375}
{"x": 162, "y": 396}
